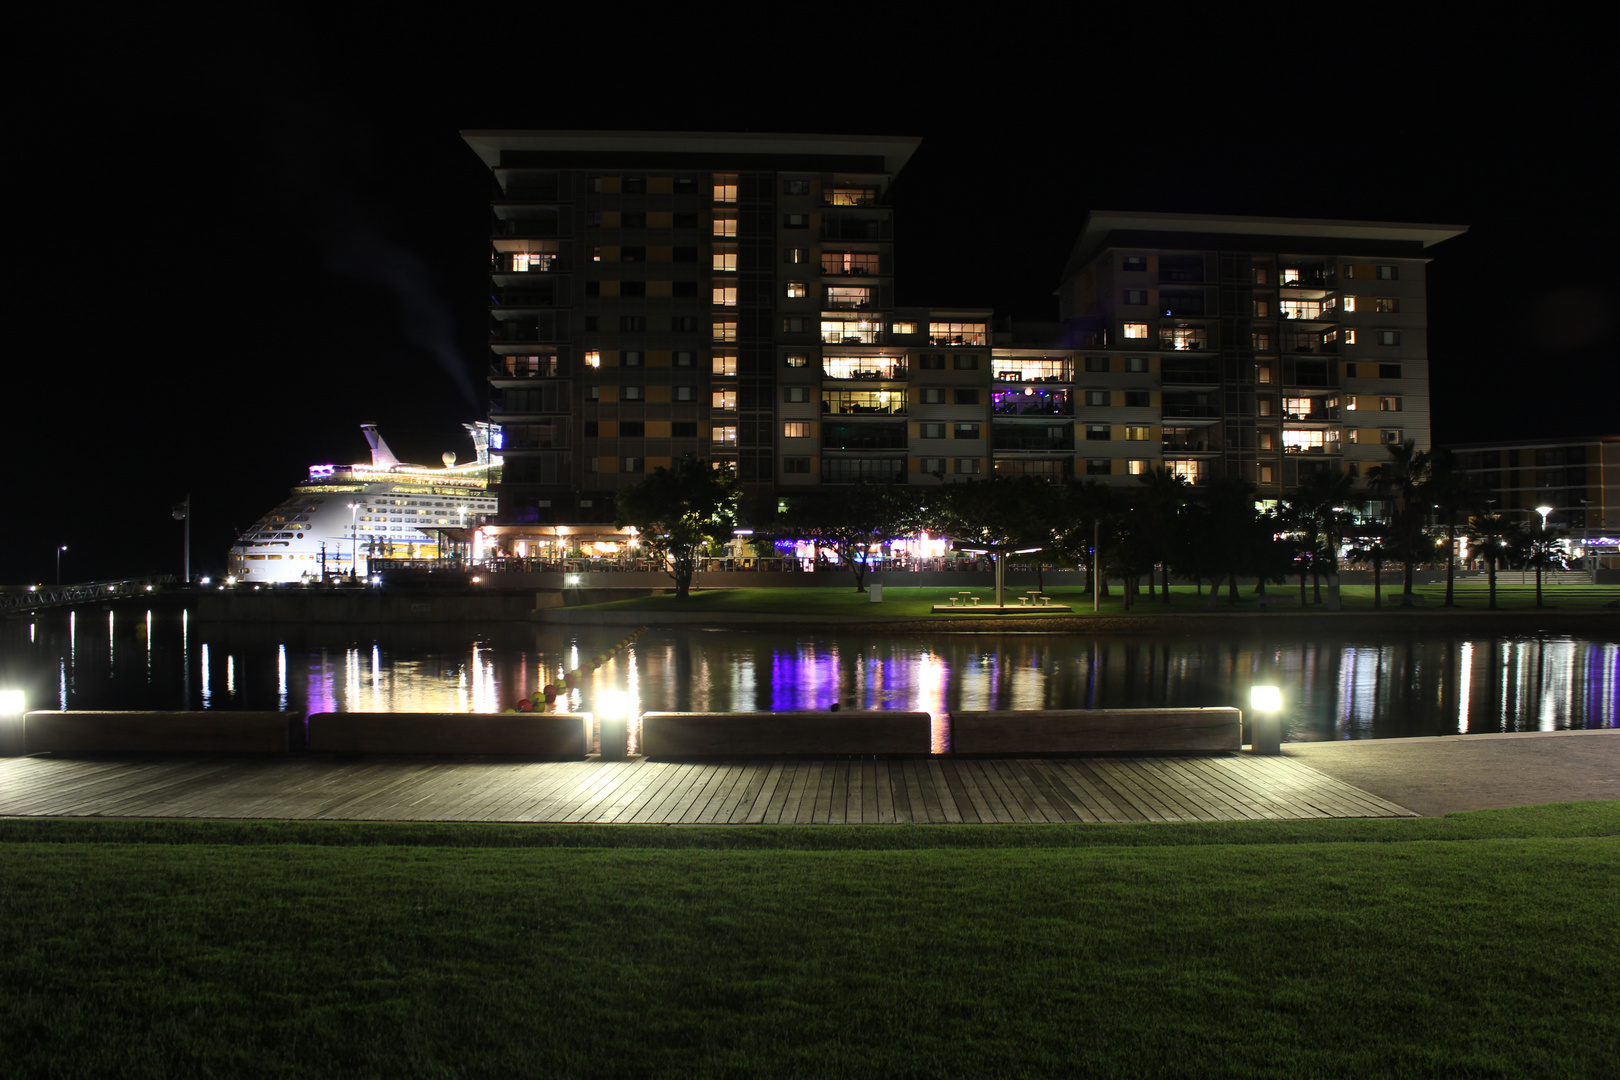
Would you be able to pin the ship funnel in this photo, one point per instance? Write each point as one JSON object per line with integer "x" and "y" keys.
{"x": 381, "y": 456}
{"x": 480, "y": 438}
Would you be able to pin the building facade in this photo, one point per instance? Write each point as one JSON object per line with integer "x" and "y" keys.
{"x": 731, "y": 296}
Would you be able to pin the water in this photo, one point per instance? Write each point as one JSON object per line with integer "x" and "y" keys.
{"x": 1335, "y": 686}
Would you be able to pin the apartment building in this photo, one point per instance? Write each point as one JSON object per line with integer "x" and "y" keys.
{"x": 731, "y": 296}
{"x": 1578, "y": 477}
{"x": 1259, "y": 348}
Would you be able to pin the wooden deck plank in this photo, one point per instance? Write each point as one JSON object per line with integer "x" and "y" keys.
{"x": 1054, "y": 801}
{"x": 784, "y": 790}
{"x": 1068, "y": 790}
{"x": 681, "y": 777}
{"x": 754, "y": 813}
{"x": 685, "y": 810}
{"x": 1003, "y": 807}
{"x": 1177, "y": 802}
{"x": 917, "y": 780}
{"x": 1035, "y": 793}
{"x": 1112, "y": 805}
{"x": 943, "y": 792}
{"x": 959, "y": 792}
{"x": 704, "y": 811}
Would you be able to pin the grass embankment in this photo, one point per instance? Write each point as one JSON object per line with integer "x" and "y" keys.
{"x": 903, "y": 602}
{"x": 1480, "y": 944}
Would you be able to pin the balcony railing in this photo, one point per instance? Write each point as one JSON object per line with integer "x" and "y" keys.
{"x": 851, "y": 337}
{"x": 1183, "y": 340}
{"x": 864, "y": 372}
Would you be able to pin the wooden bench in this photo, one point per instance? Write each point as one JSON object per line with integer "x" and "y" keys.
{"x": 536, "y": 736}
{"x": 774, "y": 734}
{"x": 1090, "y": 731}
{"x": 142, "y": 732}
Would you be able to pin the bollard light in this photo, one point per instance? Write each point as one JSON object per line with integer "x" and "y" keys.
{"x": 612, "y": 714}
{"x": 1266, "y": 731}
{"x": 11, "y": 701}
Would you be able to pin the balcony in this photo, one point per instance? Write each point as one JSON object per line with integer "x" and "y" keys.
{"x": 1190, "y": 371}
{"x": 1184, "y": 340}
{"x": 1033, "y": 371}
{"x": 1032, "y": 403}
{"x": 863, "y": 368}
{"x": 843, "y": 228}
{"x": 1188, "y": 446}
{"x": 1293, "y": 277}
{"x": 856, "y": 435}
{"x": 835, "y": 196}
{"x": 1181, "y": 276}
{"x": 864, "y": 402}
{"x": 525, "y": 367}
{"x": 1032, "y": 438}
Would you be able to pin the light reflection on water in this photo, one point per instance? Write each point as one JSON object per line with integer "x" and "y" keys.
{"x": 1335, "y": 688}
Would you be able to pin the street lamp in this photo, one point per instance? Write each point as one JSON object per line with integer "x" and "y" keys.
{"x": 182, "y": 512}
{"x": 1544, "y": 511}
{"x": 1266, "y": 736}
{"x": 354, "y": 536}
{"x": 60, "y": 548}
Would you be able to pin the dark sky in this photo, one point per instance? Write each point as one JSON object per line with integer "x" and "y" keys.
{"x": 243, "y": 241}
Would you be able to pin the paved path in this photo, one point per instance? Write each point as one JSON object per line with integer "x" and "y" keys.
{"x": 1435, "y": 776}
{"x": 859, "y": 791}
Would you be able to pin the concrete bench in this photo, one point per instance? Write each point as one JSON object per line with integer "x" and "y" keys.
{"x": 141, "y": 732}
{"x": 541, "y": 736}
{"x": 774, "y": 734}
{"x": 1090, "y": 731}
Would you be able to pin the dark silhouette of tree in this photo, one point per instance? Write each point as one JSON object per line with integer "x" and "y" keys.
{"x": 1153, "y": 513}
{"x": 1492, "y": 535}
{"x": 1538, "y": 546}
{"x": 1369, "y": 549}
{"x": 1448, "y": 490}
{"x": 680, "y": 511}
{"x": 848, "y": 521}
{"x": 1404, "y": 476}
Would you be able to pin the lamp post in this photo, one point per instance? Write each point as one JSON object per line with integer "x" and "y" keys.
{"x": 1266, "y": 731}
{"x": 354, "y": 537}
{"x": 59, "y": 549}
{"x": 182, "y": 512}
{"x": 1540, "y": 550}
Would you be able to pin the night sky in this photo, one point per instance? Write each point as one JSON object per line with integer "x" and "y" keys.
{"x": 241, "y": 243}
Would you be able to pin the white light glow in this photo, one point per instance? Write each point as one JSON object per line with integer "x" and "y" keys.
{"x": 11, "y": 701}
{"x": 1265, "y": 698}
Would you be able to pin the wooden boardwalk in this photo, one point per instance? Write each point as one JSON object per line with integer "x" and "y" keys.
{"x": 780, "y": 792}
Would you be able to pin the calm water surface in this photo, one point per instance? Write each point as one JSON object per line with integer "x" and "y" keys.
{"x": 1336, "y": 687}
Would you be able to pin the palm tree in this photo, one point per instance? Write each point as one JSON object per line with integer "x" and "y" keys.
{"x": 1370, "y": 549}
{"x": 1318, "y": 508}
{"x": 1451, "y": 495}
{"x": 1404, "y": 476}
{"x": 1492, "y": 534}
{"x": 1156, "y": 512}
{"x": 1542, "y": 548}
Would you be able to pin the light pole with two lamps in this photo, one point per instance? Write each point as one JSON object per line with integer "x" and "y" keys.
{"x": 59, "y": 549}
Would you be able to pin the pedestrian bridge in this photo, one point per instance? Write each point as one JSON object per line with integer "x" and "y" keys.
{"x": 34, "y": 597}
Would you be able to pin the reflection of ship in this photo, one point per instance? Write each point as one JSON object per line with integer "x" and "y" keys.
{"x": 348, "y": 514}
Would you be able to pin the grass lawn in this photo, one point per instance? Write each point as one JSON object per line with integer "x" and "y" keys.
{"x": 902, "y": 602}
{"x": 1480, "y": 944}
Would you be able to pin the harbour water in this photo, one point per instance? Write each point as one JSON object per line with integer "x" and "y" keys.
{"x": 1334, "y": 687}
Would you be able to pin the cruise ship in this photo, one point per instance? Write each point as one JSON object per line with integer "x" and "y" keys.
{"x": 344, "y": 517}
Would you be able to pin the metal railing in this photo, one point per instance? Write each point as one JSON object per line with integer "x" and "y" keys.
{"x": 82, "y": 593}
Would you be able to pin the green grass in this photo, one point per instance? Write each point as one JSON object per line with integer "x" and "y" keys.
{"x": 1475, "y": 945}
{"x": 912, "y": 602}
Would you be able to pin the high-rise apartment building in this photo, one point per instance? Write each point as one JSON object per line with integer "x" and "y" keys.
{"x": 731, "y": 296}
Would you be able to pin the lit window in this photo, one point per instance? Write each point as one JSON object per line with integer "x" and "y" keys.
{"x": 1136, "y": 262}
{"x": 968, "y": 465}
{"x": 1389, "y": 273}
{"x": 1348, "y": 303}
{"x": 1262, "y": 374}
{"x": 797, "y": 290}
{"x": 1390, "y": 435}
{"x": 1137, "y": 434}
{"x": 1350, "y": 402}
{"x": 1268, "y": 440}
{"x": 1389, "y": 404}
{"x": 849, "y": 196}
{"x": 931, "y": 431}
{"x": 1386, "y": 305}
{"x": 933, "y": 466}
{"x": 725, "y": 364}
{"x": 796, "y": 221}
{"x": 1134, "y": 330}
{"x": 596, "y": 254}
{"x": 1290, "y": 275}
{"x": 725, "y": 331}
{"x": 1136, "y": 466}
{"x": 1349, "y": 336}
{"x": 1097, "y": 399}
{"x": 593, "y": 359}
{"x": 1262, "y": 309}
{"x": 795, "y": 394}
{"x": 725, "y": 296}
{"x": 1190, "y": 471}
{"x": 1267, "y": 475}
{"x": 725, "y": 187}
{"x": 954, "y": 333}
{"x": 725, "y": 435}
{"x": 725, "y": 226}
{"x": 725, "y": 399}
{"x": 1260, "y": 275}
{"x": 725, "y": 261}
{"x": 1263, "y": 405}
{"x": 932, "y": 396}
{"x": 966, "y": 431}
{"x": 903, "y": 328}
{"x": 796, "y": 429}
{"x": 631, "y": 465}
{"x": 795, "y": 255}
{"x": 797, "y": 360}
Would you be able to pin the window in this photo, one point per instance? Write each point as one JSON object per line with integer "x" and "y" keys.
{"x": 1261, "y": 341}
{"x": 1136, "y": 296}
{"x": 1138, "y": 434}
{"x": 796, "y": 187}
{"x": 796, "y": 429}
{"x": 1389, "y": 337}
{"x": 966, "y": 431}
{"x": 1389, "y": 435}
{"x": 795, "y": 221}
{"x": 1389, "y": 273}
{"x": 797, "y": 360}
{"x": 931, "y": 362}
{"x": 1190, "y": 471}
{"x": 591, "y": 464}
{"x": 1263, "y": 406}
{"x": 725, "y": 225}
{"x": 1097, "y": 363}
{"x": 590, "y": 429}
{"x": 1261, "y": 276}
{"x": 1348, "y": 303}
{"x": 933, "y": 466}
{"x": 903, "y": 328}
{"x": 683, "y": 429}
{"x": 725, "y": 364}
{"x": 631, "y": 359}
{"x": 1097, "y": 399}
{"x": 633, "y": 254}
{"x": 632, "y": 429}
{"x": 1262, "y": 309}
{"x": 633, "y": 219}
{"x": 632, "y": 324}
{"x": 1097, "y": 433}
{"x": 967, "y": 397}
{"x": 797, "y": 290}
{"x": 1268, "y": 440}
{"x": 1349, "y": 336}
{"x": 725, "y": 296}
{"x": 795, "y": 465}
{"x": 685, "y": 393}
{"x": 1135, "y": 330}
{"x": 1389, "y": 404}
{"x": 957, "y": 333}
{"x": 795, "y": 324}
{"x": 724, "y": 400}
{"x": 1353, "y": 469}
{"x": 685, "y": 185}
{"x": 1138, "y": 399}
{"x": 967, "y": 466}
{"x": 1097, "y": 467}
{"x": 965, "y": 362}
{"x": 1136, "y": 364}
{"x": 931, "y": 431}
{"x": 933, "y": 395}
{"x": 1135, "y": 262}
{"x": 630, "y": 393}
{"x": 795, "y": 256}
{"x": 725, "y": 331}
{"x": 1136, "y": 466}
{"x": 795, "y": 394}
{"x": 593, "y": 288}
{"x": 593, "y": 393}
{"x": 1386, "y": 305}
{"x": 724, "y": 260}
{"x": 593, "y": 358}
{"x": 1263, "y": 374}
{"x": 1267, "y": 475}
{"x": 593, "y": 220}
{"x": 1389, "y": 371}
{"x": 685, "y": 359}
{"x": 683, "y": 255}
{"x": 725, "y": 187}
{"x": 725, "y": 435}
{"x": 685, "y": 219}
{"x": 633, "y": 185}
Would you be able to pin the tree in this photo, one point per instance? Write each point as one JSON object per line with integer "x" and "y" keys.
{"x": 1492, "y": 535}
{"x": 1319, "y": 504}
{"x": 1369, "y": 548}
{"x": 1154, "y": 513}
{"x": 1451, "y": 495}
{"x": 1085, "y": 510}
{"x": 1232, "y": 531}
{"x": 1404, "y": 476}
{"x": 678, "y": 512}
{"x": 849, "y": 521}
{"x": 1540, "y": 547}
{"x": 1000, "y": 516}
